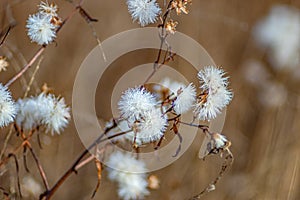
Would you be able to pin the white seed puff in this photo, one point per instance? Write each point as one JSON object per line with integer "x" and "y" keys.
{"x": 42, "y": 26}
{"x": 140, "y": 110}
{"x": 279, "y": 32}
{"x": 40, "y": 29}
{"x": 213, "y": 84}
{"x": 8, "y": 108}
{"x": 130, "y": 175}
{"x": 185, "y": 99}
{"x": 144, "y": 11}
{"x": 43, "y": 110}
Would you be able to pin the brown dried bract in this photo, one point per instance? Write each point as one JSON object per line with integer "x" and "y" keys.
{"x": 153, "y": 182}
{"x": 46, "y": 89}
{"x": 181, "y": 6}
{"x": 3, "y": 63}
{"x": 56, "y": 21}
{"x": 171, "y": 26}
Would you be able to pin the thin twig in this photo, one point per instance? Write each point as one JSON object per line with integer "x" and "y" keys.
{"x": 203, "y": 127}
{"x": 225, "y": 166}
{"x": 17, "y": 169}
{"x": 176, "y": 132}
{"x": 5, "y": 159}
{"x": 25, "y": 159}
{"x": 26, "y": 67}
{"x": 41, "y": 170}
{"x": 89, "y": 20}
{"x": 6, "y": 141}
{"x": 99, "y": 175}
{"x": 5, "y": 35}
{"x": 33, "y": 76}
{"x": 163, "y": 37}
{"x": 49, "y": 193}
{"x": 5, "y": 193}
{"x": 84, "y": 162}
{"x": 38, "y": 53}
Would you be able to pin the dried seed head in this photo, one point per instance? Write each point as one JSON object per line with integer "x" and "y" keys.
{"x": 56, "y": 21}
{"x": 181, "y": 6}
{"x": 3, "y": 63}
{"x": 144, "y": 11}
{"x": 215, "y": 94}
{"x": 171, "y": 26}
{"x": 48, "y": 9}
{"x": 153, "y": 182}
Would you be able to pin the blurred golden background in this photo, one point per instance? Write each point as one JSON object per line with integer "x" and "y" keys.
{"x": 264, "y": 134}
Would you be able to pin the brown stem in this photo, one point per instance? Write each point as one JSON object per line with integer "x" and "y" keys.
{"x": 6, "y": 34}
{"x": 99, "y": 176}
{"x": 17, "y": 169}
{"x": 203, "y": 127}
{"x": 38, "y": 53}
{"x": 163, "y": 37}
{"x": 5, "y": 193}
{"x": 225, "y": 166}
{"x": 26, "y": 67}
{"x": 49, "y": 193}
{"x": 5, "y": 159}
{"x": 6, "y": 141}
{"x": 41, "y": 170}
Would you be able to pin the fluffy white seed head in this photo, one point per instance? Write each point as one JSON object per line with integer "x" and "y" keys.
{"x": 31, "y": 188}
{"x": 150, "y": 128}
{"x": 212, "y": 78}
{"x": 30, "y": 113}
{"x": 139, "y": 108}
{"x": 128, "y": 172}
{"x": 215, "y": 96}
{"x": 135, "y": 102}
{"x": 40, "y": 29}
{"x": 280, "y": 33}
{"x": 143, "y": 11}
{"x": 58, "y": 116}
{"x": 185, "y": 99}
{"x": 46, "y": 110}
{"x": 8, "y": 108}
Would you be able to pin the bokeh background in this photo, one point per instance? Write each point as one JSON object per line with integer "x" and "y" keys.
{"x": 263, "y": 121}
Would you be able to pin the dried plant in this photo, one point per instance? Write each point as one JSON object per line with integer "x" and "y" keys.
{"x": 146, "y": 115}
